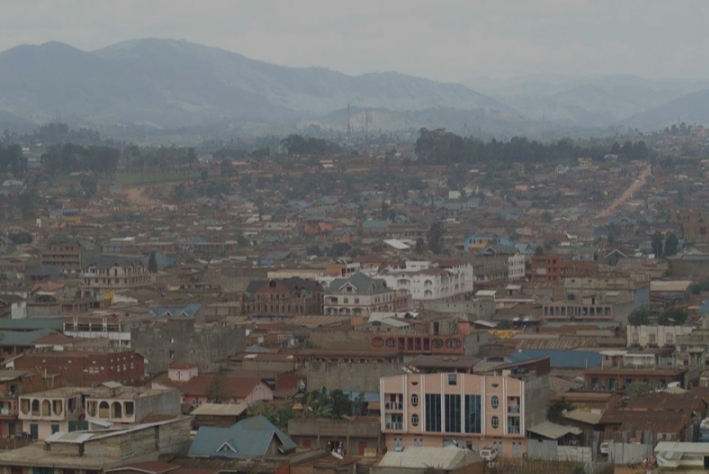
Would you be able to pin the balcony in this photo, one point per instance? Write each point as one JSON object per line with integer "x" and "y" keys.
{"x": 396, "y": 406}
{"x": 513, "y": 409}
{"x": 396, "y": 426}
{"x": 513, "y": 430}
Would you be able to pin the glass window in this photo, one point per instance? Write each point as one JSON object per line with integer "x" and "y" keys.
{"x": 495, "y": 401}
{"x": 452, "y": 379}
{"x": 433, "y": 412}
{"x": 414, "y": 400}
{"x": 495, "y": 422}
{"x": 453, "y": 414}
{"x": 472, "y": 414}
{"x": 414, "y": 420}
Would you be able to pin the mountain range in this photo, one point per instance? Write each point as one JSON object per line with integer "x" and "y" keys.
{"x": 158, "y": 85}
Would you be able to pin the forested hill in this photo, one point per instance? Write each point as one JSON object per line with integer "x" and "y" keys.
{"x": 167, "y": 83}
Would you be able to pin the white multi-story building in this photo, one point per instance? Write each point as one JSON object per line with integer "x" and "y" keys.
{"x": 361, "y": 295}
{"x": 516, "y": 267}
{"x": 427, "y": 282}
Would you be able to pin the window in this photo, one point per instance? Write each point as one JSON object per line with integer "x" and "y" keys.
{"x": 495, "y": 422}
{"x": 356, "y": 300}
{"x": 452, "y": 413}
{"x": 495, "y": 401}
{"x": 433, "y": 412}
{"x": 452, "y": 379}
{"x": 652, "y": 338}
{"x": 414, "y": 400}
{"x": 55, "y": 428}
{"x": 414, "y": 420}
{"x": 172, "y": 354}
{"x": 669, "y": 338}
{"x": 636, "y": 337}
{"x": 472, "y": 414}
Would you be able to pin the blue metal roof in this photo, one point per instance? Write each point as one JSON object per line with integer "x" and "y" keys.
{"x": 249, "y": 438}
{"x": 560, "y": 359}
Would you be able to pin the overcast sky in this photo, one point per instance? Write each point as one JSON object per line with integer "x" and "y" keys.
{"x": 448, "y": 40}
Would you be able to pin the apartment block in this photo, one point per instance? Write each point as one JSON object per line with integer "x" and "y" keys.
{"x": 462, "y": 409}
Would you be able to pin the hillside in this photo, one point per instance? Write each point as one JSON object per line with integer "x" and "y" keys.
{"x": 167, "y": 83}
{"x": 691, "y": 108}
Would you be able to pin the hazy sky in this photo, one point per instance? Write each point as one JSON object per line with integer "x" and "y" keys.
{"x": 441, "y": 39}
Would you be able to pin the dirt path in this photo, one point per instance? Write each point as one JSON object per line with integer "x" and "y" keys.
{"x": 627, "y": 194}
{"x": 136, "y": 195}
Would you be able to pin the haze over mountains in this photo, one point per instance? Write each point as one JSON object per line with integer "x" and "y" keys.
{"x": 166, "y": 84}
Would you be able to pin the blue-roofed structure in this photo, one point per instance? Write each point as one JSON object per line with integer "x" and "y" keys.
{"x": 188, "y": 311}
{"x": 560, "y": 359}
{"x": 250, "y": 438}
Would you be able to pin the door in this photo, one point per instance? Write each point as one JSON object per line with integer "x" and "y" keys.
{"x": 361, "y": 446}
{"x": 34, "y": 431}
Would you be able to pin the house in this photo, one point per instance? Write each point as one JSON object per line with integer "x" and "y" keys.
{"x": 250, "y": 438}
{"x": 86, "y": 368}
{"x": 361, "y": 295}
{"x": 106, "y": 273}
{"x": 287, "y": 296}
{"x": 65, "y": 253}
{"x": 360, "y": 436}
{"x": 420, "y": 460}
{"x": 450, "y": 281}
{"x": 96, "y": 451}
{"x": 198, "y": 389}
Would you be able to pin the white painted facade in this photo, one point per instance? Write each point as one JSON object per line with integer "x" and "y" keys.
{"x": 426, "y": 283}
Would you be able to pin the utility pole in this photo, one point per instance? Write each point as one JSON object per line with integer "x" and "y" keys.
{"x": 349, "y": 129}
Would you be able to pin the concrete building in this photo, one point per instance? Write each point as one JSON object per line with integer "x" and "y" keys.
{"x": 110, "y": 273}
{"x": 44, "y": 413}
{"x": 425, "y": 282}
{"x": 69, "y": 409}
{"x": 656, "y": 336}
{"x": 466, "y": 410}
{"x": 85, "y": 368}
{"x": 360, "y": 436}
{"x": 288, "y": 296}
{"x": 64, "y": 253}
{"x": 183, "y": 340}
{"x": 93, "y": 452}
{"x": 361, "y": 295}
{"x": 119, "y": 405}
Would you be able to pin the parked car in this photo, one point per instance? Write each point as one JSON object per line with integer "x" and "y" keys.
{"x": 489, "y": 453}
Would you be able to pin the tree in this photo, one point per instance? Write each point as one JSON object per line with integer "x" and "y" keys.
{"x": 420, "y": 247}
{"x": 639, "y": 317}
{"x": 152, "y": 263}
{"x": 673, "y": 317}
{"x": 638, "y": 389}
{"x": 671, "y": 245}
{"x": 339, "y": 249}
{"x": 435, "y": 237}
{"x": 557, "y": 410}
{"x": 20, "y": 238}
{"x": 504, "y": 324}
{"x": 657, "y": 243}
{"x": 217, "y": 390}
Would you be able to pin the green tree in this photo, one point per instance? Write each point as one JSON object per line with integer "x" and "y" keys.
{"x": 152, "y": 263}
{"x": 671, "y": 245}
{"x": 673, "y": 317}
{"x": 21, "y": 238}
{"x": 435, "y": 237}
{"x": 339, "y": 249}
{"x": 420, "y": 247}
{"x": 638, "y": 389}
{"x": 639, "y": 317}
{"x": 217, "y": 390}
{"x": 504, "y": 324}
{"x": 657, "y": 243}
{"x": 557, "y": 410}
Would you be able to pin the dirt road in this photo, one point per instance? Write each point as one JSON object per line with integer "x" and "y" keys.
{"x": 627, "y": 194}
